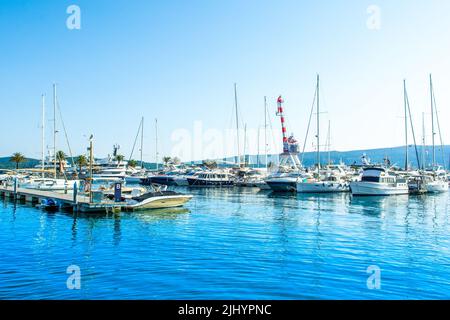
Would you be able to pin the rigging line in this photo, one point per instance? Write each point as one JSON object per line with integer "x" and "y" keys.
{"x": 309, "y": 123}
{"x": 67, "y": 138}
{"x": 135, "y": 140}
{"x": 412, "y": 129}
{"x": 439, "y": 129}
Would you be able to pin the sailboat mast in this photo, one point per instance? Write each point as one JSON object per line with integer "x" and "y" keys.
{"x": 142, "y": 142}
{"x": 318, "y": 125}
{"x": 54, "y": 130}
{"x": 329, "y": 142}
{"x": 156, "y": 144}
{"x": 432, "y": 123}
{"x": 259, "y": 135}
{"x": 245, "y": 144}
{"x": 237, "y": 124}
{"x": 265, "y": 130}
{"x": 406, "y": 125}
{"x": 43, "y": 136}
{"x": 423, "y": 140}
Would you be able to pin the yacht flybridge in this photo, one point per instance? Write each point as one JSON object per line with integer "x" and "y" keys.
{"x": 379, "y": 181}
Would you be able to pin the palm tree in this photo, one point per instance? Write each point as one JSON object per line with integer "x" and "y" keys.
{"x": 17, "y": 158}
{"x": 166, "y": 160}
{"x": 132, "y": 163}
{"x": 81, "y": 161}
{"x": 61, "y": 157}
{"x": 119, "y": 158}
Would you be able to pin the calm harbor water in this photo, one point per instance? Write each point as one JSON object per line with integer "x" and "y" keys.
{"x": 233, "y": 245}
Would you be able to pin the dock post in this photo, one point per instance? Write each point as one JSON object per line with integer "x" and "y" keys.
{"x": 75, "y": 196}
{"x": 15, "y": 187}
{"x": 75, "y": 193}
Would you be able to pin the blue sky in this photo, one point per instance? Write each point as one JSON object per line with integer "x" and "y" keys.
{"x": 177, "y": 61}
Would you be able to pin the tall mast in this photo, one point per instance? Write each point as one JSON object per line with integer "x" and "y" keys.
{"x": 433, "y": 163}
{"x": 406, "y": 125}
{"x": 265, "y": 129}
{"x": 43, "y": 136}
{"x": 91, "y": 163}
{"x": 245, "y": 144}
{"x": 423, "y": 140}
{"x": 329, "y": 142}
{"x": 54, "y": 130}
{"x": 237, "y": 124}
{"x": 259, "y": 135}
{"x": 156, "y": 144}
{"x": 318, "y": 125}
{"x": 142, "y": 141}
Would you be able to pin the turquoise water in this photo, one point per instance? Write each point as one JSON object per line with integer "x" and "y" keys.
{"x": 232, "y": 245}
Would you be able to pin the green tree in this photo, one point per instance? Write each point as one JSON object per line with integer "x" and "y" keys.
{"x": 81, "y": 162}
{"x": 132, "y": 163}
{"x": 166, "y": 160}
{"x": 17, "y": 158}
{"x": 119, "y": 158}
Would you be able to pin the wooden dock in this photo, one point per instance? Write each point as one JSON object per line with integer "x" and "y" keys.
{"x": 65, "y": 198}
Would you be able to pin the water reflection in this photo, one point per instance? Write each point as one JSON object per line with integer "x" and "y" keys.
{"x": 156, "y": 215}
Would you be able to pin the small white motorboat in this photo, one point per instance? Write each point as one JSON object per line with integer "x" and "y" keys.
{"x": 158, "y": 199}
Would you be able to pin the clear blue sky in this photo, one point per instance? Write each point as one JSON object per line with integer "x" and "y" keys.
{"x": 177, "y": 61}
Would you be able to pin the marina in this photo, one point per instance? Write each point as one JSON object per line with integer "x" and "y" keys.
{"x": 229, "y": 244}
{"x": 232, "y": 151}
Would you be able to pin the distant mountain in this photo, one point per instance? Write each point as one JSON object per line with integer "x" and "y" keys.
{"x": 396, "y": 155}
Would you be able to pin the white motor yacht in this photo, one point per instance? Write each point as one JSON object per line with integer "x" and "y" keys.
{"x": 378, "y": 181}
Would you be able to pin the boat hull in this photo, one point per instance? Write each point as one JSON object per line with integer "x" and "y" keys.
{"x": 282, "y": 185}
{"x": 377, "y": 189}
{"x": 322, "y": 187}
{"x": 161, "y": 202}
{"x": 437, "y": 187}
{"x": 209, "y": 183}
{"x": 164, "y": 180}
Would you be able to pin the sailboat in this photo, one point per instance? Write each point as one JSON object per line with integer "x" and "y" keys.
{"x": 136, "y": 175}
{"x": 331, "y": 180}
{"x": 43, "y": 183}
{"x": 436, "y": 180}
